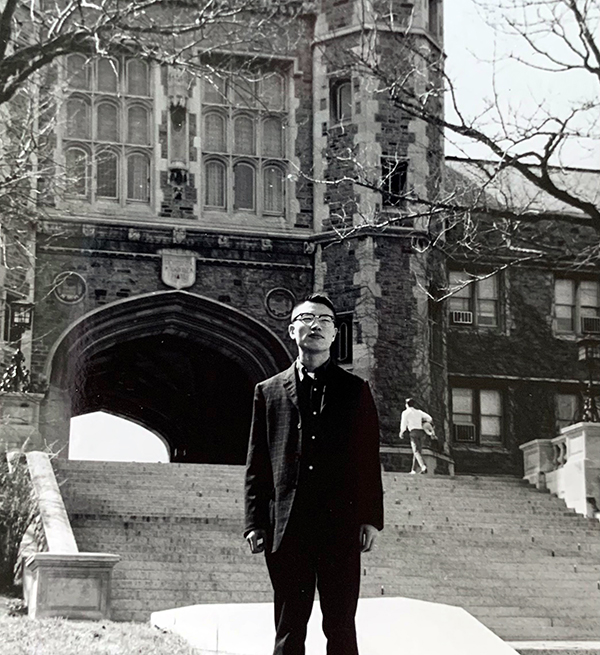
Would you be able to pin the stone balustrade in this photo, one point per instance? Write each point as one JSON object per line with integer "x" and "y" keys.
{"x": 568, "y": 465}
{"x": 62, "y": 581}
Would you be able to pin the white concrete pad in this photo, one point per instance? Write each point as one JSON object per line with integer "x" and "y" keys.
{"x": 385, "y": 626}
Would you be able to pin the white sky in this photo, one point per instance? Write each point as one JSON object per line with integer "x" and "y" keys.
{"x": 471, "y": 45}
{"x": 101, "y": 436}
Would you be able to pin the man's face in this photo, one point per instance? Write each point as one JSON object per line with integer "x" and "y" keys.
{"x": 318, "y": 335}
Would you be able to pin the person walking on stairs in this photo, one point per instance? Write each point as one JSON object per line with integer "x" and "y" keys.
{"x": 412, "y": 420}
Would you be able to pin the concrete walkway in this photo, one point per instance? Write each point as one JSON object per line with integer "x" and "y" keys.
{"x": 385, "y": 626}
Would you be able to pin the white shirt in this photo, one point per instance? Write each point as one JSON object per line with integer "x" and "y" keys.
{"x": 412, "y": 419}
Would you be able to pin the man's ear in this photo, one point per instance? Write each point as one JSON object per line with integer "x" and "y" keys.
{"x": 291, "y": 330}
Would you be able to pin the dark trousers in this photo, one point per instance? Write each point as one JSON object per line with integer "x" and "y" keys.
{"x": 311, "y": 556}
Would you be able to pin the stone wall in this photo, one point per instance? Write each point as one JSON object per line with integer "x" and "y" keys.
{"x": 116, "y": 262}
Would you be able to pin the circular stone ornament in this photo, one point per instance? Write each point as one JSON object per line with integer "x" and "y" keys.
{"x": 69, "y": 287}
{"x": 280, "y": 302}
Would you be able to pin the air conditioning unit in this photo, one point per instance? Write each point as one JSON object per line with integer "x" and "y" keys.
{"x": 590, "y": 324}
{"x": 464, "y": 432}
{"x": 461, "y": 318}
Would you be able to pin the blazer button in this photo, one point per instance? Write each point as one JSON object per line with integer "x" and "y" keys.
{"x": 299, "y": 425}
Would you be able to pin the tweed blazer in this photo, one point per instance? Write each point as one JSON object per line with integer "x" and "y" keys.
{"x": 349, "y": 417}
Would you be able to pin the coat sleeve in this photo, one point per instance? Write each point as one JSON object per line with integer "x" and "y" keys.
{"x": 370, "y": 488}
{"x": 259, "y": 477}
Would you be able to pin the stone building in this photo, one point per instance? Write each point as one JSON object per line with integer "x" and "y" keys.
{"x": 190, "y": 209}
{"x": 513, "y": 331}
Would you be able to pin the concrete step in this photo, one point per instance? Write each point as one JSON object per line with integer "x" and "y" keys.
{"x": 483, "y": 543}
{"x": 557, "y": 647}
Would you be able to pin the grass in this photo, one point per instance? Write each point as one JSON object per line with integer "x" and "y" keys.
{"x": 20, "y": 635}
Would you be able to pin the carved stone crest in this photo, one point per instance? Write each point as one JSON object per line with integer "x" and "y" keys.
{"x": 179, "y": 234}
{"x": 178, "y": 268}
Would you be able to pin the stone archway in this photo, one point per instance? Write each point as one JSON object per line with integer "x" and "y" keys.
{"x": 182, "y": 365}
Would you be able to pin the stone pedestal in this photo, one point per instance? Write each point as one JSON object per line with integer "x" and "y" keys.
{"x": 569, "y": 465}
{"x": 538, "y": 460}
{"x": 19, "y": 420}
{"x": 72, "y": 585}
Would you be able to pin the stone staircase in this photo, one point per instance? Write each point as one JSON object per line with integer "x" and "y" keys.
{"x": 513, "y": 557}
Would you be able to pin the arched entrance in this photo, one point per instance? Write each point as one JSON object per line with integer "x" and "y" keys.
{"x": 181, "y": 365}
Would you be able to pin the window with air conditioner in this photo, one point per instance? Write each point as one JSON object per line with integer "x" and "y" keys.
{"x": 474, "y": 299}
{"x": 576, "y": 306}
{"x": 477, "y": 416}
{"x": 244, "y": 144}
{"x": 106, "y": 131}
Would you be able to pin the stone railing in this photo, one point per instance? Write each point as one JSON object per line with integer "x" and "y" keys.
{"x": 61, "y": 581}
{"x": 568, "y": 466}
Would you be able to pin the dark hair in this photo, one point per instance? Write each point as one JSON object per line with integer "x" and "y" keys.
{"x": 410, "y": 402}
{"x": 319, "y": 298}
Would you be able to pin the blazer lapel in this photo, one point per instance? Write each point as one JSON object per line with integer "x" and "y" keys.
{"x": 289, "y": 384}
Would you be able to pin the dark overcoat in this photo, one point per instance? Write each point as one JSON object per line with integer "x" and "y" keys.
{"x": 352, "y": 493}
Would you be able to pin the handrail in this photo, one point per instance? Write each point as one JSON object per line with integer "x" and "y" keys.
{"x": 55, "y": 521}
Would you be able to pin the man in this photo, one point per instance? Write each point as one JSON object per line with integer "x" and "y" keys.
{"x": 313, "y": 491}
{"x": 413, "y": 420}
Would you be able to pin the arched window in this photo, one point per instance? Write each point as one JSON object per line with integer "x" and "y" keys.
{"x": 138, "y": 79}
{"x": 78, "y": 72}
{"x": 243, "y": 186}
{"x": 214, "y": 184}
{"x": 341, "y": 101}
{"x": 273, "y": 91}
{"x": 107, "y": 174}
{"x": 78, "y": 119}
{"x": 273, "y": 137}
{"x": 138, "y": 177}
{"x": 214, "y": 133}
{"x": 107, "y": 122}
{"x": 108, "y": 75}
{"x": 107, "y": 132}
{"x": 137, "y": 125}
{"x": 244, "y": 142}
{"x": 76, "y": 169}
{"x": 214, "y": 89}
{"x": 244, "y": 90}
{"x": 273, "y": 189}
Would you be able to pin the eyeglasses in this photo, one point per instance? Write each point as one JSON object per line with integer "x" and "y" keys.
{"x": 309, "y": 319}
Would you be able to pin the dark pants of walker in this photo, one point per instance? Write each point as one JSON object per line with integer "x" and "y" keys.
{"x": 417, "y": 438}
{"x": 305, "y": 558}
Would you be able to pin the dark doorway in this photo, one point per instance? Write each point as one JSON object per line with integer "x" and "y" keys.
{"x": 198, "y": 399}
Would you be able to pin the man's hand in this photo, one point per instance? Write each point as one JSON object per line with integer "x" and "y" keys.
{"x": 257, "y": 540}
{"x": 367, "y": 537}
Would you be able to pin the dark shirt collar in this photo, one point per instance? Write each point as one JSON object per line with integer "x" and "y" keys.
{"x": 317, "y": 374}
